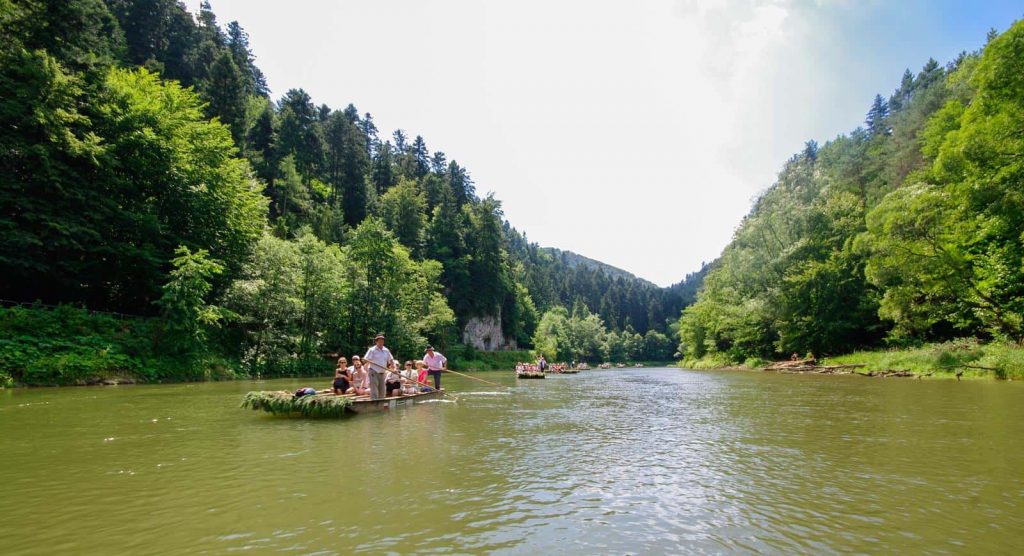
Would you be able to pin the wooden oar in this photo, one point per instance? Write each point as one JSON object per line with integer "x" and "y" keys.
{"x": 474, "y": 378}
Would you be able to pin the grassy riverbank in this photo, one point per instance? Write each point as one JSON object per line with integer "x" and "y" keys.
{"x": 71, "y": 346}
{"x": 718, "y": 361}
{"x": 967, "y": 357}
{"x": 465, "y": 358}
{"x": 973, "y": 359}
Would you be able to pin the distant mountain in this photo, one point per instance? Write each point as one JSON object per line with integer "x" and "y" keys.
{"x": 573, "y": 260}
{"x": 687, "y": 289}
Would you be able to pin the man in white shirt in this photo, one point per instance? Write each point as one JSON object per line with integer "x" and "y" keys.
{"x": 436, "y": 362}
{"x": 379, "y": 358}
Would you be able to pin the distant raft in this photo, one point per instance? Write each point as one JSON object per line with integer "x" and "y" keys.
{"x": 529, "y": 374}
{"x": 326, "y": 404}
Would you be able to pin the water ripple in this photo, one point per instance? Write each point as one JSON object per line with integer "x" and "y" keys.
{"x": 632, "y": 461}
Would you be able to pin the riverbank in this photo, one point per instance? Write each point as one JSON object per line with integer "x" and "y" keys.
{"x": 966, "y": 358}
{"x": 69, "y": 346}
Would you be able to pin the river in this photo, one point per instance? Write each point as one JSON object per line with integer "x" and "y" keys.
{"x": 638, "y": 461}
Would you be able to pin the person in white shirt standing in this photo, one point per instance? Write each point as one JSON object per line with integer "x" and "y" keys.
{"x": 379, "y": 358}
{"x": 436, "y": 362}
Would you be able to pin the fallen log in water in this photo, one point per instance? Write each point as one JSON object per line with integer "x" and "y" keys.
{"x": 811, "y": 366}
{"x": 798, "y": 364}
{"x": 819, "y": 369}
{"x": 892, "y": 373}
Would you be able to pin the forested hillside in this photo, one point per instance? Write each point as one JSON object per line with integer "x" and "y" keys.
{"x": 146, "y": 169}
{"x": 906, "y": 230}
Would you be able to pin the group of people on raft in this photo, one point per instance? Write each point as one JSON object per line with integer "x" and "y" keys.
{"x": 539, "y": 367}
{"x": 377, "y": 374}
{"x": 543, "y": 366}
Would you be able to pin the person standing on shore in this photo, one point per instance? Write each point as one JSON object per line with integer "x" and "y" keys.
{"x": 436, "y": 362}
{"x": 380, "y": 359}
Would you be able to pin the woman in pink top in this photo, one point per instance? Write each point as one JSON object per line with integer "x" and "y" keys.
{"x": 421, "y": 376}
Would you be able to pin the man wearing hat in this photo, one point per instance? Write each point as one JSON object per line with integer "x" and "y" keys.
{"x": 436, "y": 362}
{"x": 379, "y": 358}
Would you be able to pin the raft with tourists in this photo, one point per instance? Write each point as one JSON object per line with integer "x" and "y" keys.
{"x": 327, "y": 404}
{"x": 373, "y": 383}
{"x": 532, "y": 370}
{"x": 562, "y": 369}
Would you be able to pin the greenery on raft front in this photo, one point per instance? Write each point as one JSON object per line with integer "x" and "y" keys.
{"x": 285, "y": 403}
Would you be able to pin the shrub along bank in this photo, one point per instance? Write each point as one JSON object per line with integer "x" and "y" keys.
{"x": 967, "y": 357}
{"x": 964, "y": 357}
{"x": 68, "y": 346}
{"x": 72, "y": 346}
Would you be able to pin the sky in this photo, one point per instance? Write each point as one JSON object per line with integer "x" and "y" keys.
{"x": 633, "y": 132}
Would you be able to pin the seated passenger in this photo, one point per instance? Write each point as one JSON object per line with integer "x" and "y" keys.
{"x": 408, "y": 380}
{"x": 421, "y": 376}
{"x": 409, "y": 373}
{"x": 392, "y": 383}
{"x": 342, "y": 378}
{"x": 360, "y": 378}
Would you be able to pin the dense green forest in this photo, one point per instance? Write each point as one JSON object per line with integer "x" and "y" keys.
{"x": 146, "y": 172}
{"x": 908, "y": 230}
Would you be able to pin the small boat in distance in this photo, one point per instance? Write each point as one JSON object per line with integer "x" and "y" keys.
{"x": 529, "y": 374}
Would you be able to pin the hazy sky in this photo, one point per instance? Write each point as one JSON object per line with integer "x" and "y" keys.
{"x": 633, "y": 132}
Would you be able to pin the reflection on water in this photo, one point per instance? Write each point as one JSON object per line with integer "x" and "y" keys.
{"x": 621, "y": 461}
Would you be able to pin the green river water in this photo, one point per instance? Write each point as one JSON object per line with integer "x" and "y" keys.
{"x": 638, "y": 461}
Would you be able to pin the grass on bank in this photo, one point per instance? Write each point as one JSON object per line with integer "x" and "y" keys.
{"x": 72, "y": 346}
{"x": 69, "y": 345}
{"x": 465, "y": 358}
{"x": 972, "y": 358}
{"x": 718, "y": 361}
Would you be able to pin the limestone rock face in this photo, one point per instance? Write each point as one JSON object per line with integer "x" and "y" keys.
{"x": 484, "y": 333}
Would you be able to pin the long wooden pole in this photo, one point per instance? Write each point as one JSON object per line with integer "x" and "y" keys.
{"x": 399, "y": 373}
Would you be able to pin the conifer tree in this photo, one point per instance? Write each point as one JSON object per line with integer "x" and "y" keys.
{"x": 369, "y": 130}
{"x": 876, "y": 117}
{"x": 383, "y": 173}
{"x": 226, "y": 91}
{"x": 421, "y": 156}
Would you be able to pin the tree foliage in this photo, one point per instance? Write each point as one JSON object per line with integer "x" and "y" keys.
{"x": 139, "y": 145}
{"x": 909, "y": 230}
